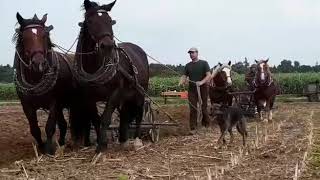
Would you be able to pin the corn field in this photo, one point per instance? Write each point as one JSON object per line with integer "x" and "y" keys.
{"x": 290, "y": 83}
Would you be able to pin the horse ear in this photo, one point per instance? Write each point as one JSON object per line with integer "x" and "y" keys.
{"x": 87, "y": 4}
{"x": 35, "y": 17}
{"x": 44, "y": 19}
{"x": 108, "y": 7}
{"x": 267, "y": 60}
{"x": 219, "y": 64}
{"x": 49, "y": 28}
{"x": 20, "y": 19}
{"x": 113, "y": 22}
{"x": 256, "y": 61}
{"x": 80, "y": 24}
{"x": 229, "y": 63}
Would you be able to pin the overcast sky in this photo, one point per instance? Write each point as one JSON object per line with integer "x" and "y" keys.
{"x": 221, "y": 29}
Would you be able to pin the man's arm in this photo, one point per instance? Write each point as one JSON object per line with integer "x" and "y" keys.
{"x": 205, "y": 79}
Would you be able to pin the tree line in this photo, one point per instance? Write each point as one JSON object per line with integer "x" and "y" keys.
{"x": 241, "y": 67}
{"x": 6, "y": 73}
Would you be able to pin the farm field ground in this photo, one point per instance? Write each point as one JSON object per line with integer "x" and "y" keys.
{"x": 283, "y": 149}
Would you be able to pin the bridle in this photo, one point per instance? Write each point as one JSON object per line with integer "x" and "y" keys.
{"x": 28, "y": 66}
{"x": 219, "y": 70}
{"x": 109, "y": 64}
{"x": 267, "y": 83}
{"x": 97, "y": 39}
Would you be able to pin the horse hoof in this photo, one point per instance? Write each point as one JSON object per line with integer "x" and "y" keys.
{"x": 137, "y": 143}
{"x": 50, "y": 149}
{"x": 101, "y": 148}
{"x": 87, "y": 144}
{"x": 42, "y": 149}
{"x": 124, "y": 145}
{"x": 60, "y": 151}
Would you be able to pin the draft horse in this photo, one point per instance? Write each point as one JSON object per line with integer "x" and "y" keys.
{"x": 43, "y": 79}
{"x": 117, "y": 74}
{"x": 266, "y": 89}
{"x": 220, "y": 85}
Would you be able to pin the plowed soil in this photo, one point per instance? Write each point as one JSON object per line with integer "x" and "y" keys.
{"x": 275, "y": 150}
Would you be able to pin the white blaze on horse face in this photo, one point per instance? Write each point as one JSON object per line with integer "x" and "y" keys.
{"x": 262, "y": 76}
{"x": 228, "y": 73}
{"x": 99, "y": 14}
{"x": 34, "y": 31}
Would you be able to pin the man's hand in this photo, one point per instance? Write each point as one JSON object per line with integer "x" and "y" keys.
{"x": 199, "y": 83}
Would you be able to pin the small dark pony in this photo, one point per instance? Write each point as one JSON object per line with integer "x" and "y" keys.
{"x": 115, "y": 74}
{"x": 43, "y": 79}
{"x": 220, "y": 85}
{"x": 266, "y": 89}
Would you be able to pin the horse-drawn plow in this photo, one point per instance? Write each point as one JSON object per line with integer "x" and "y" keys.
{"x": 150, "y": 124}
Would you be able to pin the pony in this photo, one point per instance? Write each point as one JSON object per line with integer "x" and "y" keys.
{"x": 117, "y": 74}
{"x": 43, "y": 79}
{"x": 266, "y": 89}
{"x": 220, "y": 84}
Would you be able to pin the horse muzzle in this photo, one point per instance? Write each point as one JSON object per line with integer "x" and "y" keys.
{"x": 39, "y": 63}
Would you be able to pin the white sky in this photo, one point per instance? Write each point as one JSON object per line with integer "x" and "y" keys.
{"x": 221, "y": 29}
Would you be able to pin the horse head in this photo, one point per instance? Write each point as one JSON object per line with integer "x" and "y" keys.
{"x": 98, "y": 25}
{"x": 33, "y": 42}
{"x": 263, "y": 73}
{"x": 221, "y": 75}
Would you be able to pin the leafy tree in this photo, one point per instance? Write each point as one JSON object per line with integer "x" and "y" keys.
{"x": 6, "y": 73}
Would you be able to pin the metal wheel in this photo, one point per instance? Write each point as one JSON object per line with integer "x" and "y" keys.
{"x": 313, "y": 98}
{"x": 154, "y": 132}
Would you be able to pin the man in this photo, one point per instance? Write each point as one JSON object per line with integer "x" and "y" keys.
{"x": 198, "y": 72}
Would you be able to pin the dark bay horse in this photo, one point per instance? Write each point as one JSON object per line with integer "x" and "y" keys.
{"x": 266, "y": 89}
{"x": 115, "y": 74}
{"x": 43, "y": 79}
{"x": 220, "y": 84}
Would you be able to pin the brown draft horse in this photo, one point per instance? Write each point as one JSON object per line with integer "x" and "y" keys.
{"x": 43, "y": 79}
{"x": 110, "y": 73}
{"x": 265, "y": 89}
{"x": 220, "y": 85}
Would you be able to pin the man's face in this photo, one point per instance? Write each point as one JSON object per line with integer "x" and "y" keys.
{"x": 193, "y": 55}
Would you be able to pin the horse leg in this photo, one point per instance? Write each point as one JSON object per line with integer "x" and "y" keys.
{"x": 259, "y": 110}
{"x": 51, "y": 128}
{"x": 106, "y": 120}
{"x": 96, "y": 121}
{"x": 34, "y": 127}
{"x": 139, "y": 114}
{"x": 125, "y": 119}
{"x": 62, "y": 124}
{"x": 268, "y": 110}
{"x": 271, "y": 107}
{"x": 89, "y": 118}
{"x": 231, "y": 135}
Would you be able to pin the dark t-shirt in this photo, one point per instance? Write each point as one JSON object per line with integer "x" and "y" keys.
{"x": 196, "y": 71}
